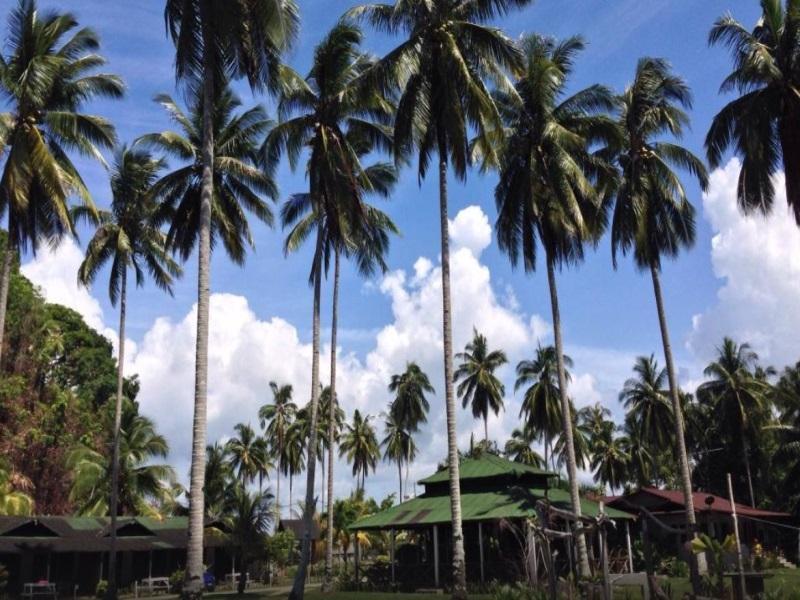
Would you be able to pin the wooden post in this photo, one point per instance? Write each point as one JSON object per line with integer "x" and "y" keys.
{"x": 436, "y": 555}
{"x": 532, "y": 562}
{"x": 357, "y": 557}
{"x": 480, "y": 548}
{"x": 630, "y": 546}
{"x": 601, "y": 534}
{"x": 739, "y": 561}
{"x": 392, "y": 557}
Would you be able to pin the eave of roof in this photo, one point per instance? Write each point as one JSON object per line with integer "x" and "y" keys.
{"x": 512, "y": 503}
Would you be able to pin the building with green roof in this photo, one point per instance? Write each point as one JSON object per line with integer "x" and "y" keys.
{"x": 498, "y": 497}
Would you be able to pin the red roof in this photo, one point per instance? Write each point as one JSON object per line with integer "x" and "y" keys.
{"x": 719, "y": 504}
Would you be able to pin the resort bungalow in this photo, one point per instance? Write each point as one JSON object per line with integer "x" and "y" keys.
{"x": 665, "y": 509}
{"x": 72, "y": 552}
{"x": 499, "y": 498}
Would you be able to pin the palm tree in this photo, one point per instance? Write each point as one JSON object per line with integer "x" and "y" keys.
{"x": 547, "y": 188}
{"x": 128, "y": 237}
{"x": 518, "y": 448}
{"x": 739, "y": 397}
{"x": 541, "y": 405}
{"x": 649, "y": 409}
{"x": 360, "y": 447}
{"x": 763, "y": 123}
{"x": 47, "y": 75}
{"x": 214, "y": 43}
{"x": 219, "y": 480}
{"x": 444, "y": 61}
{"x": 250, "y": 519}
{"x": 248, "y": 454}
{"x": 13, "y": 497}
{"x": 293, "y": 459}
{"x": 480, "y": 388}
{"x": 610, "y": 458}
{"x": 410, "y": 406}
{"x": 398, "y": 446}
{"x": 276, "y": 418}
{"x": 652, "y": 216}
{"x": 141, "y": 482}
{"x": 340, "y": 118}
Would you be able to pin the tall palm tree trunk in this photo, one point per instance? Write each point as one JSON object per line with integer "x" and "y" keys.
{"x": 5, "y": 280}
{"x": 278, "y": 485}
{"x": 113, "y": 504}
{"x": 193, "y": 584}
{"x": 400, "y": 480}
{"x": 298, "y": 587}
{"x": 683, "y": 458}
{"x": 459, "y": 571}
{"x": 327, "y": 585}
{"x": 746, "y": 452}
{"x": 486, "y": 428}
{"x": 566, "y": 422}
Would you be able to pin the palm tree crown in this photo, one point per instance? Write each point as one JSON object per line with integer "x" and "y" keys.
{"x": 410, "y": 407}
{"x": 762, "y": 125}
{"x": 646, "y": 398}
{"x": 479, "y": 387}
{"x": 238, "y": 182}
{"x": 360, "y": 446}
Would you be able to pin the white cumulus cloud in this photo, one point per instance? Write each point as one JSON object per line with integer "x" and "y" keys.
{"x": 758, "y": 259}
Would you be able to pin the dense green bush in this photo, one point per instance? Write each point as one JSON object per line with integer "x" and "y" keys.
{"x": 101, "y": 589}
{"x": 176, "y": 581}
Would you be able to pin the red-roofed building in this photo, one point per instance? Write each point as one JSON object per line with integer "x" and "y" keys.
{"x": 714, "y": 514}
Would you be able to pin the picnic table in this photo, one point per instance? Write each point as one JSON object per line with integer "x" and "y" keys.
{"x": 39, "y": 588}
{"x": 154, "y": 584}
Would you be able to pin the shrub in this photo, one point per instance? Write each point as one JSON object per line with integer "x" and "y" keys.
{"x": 518, "y": 591}
{"x": 101, "y": 589}
{"x": 176, "y": 581}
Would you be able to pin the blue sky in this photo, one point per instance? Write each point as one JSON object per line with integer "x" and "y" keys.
{"x": 609, "y": 317}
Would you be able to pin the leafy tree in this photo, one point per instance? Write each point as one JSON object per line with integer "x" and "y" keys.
{"x": 547, "y": 194}
{"x": 738, "y": 397}
{"x": 141, "y": 482}
{"x": 541, "y": 405}
{"x": 360, "y": 447}
{"x": 762, "y": 125}
{"x": 479, "y": 387}
{"x": 279, "y": 547}
{"x": 128, "y": 238}
{"x": 47, "y": 75}
{"x": 214, "y": 43}
{"x": 13, "y": 499}
{"x": 276, "y": 418}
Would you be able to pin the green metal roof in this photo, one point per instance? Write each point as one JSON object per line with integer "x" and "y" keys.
{"x": 514, "y": 502}
{"x": 487, "y": 465}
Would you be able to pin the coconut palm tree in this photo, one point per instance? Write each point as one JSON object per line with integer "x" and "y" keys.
{"x": 219, "y": 484}
{"x": 13, "y": 497}
{"x": 653, "y": 217}
{"x": 293, "y": 459}
{"x": 646, "y": 398}
{"x": 410, "y": 406}
{"x": 398, "y": 446}
{"x": 518, "y": 448}
{"x": 142, "y": 483}
{"x": 248, "y": 454}
{"x": 739, "y": 398}
{"x": 610, "y": 458}
{"x": 276, "y": 418}
{"x": 479, "y": 387}
{"x": 129, "y": 239}
{"x": 541, "y": 405}
{"x": 762, "y": 125}
{"x": 215, "y": 43}
{"x": 548, "y": 188}
{"x": 444, "y": 61}
{"x": 47, "y": 75}
{"x": 335, "y": 114}
{"x": 250, "y": 518}
{"x": 360, "y": 447}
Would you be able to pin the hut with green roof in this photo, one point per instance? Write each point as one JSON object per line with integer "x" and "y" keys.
{"x": 498, "y": 500}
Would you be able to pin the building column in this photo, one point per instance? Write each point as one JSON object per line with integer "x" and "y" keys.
{"x": 480, "y": 548}
{"x": 392, "y": 555}
{"x": 436, "y": 555}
